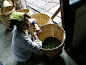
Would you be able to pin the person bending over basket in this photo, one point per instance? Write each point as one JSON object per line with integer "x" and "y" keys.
{"x": 22, "y": 45}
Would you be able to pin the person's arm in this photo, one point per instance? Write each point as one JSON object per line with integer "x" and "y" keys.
{"x": 37, "y": 28}
{"x": 35, "y": 36}
{"x": 31, "y": 20}
{"x": 34, "y": 23}
{"x": 14, "y": 3}
{"x": 32, "y": 46}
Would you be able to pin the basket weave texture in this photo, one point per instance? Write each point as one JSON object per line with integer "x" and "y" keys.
{"x": 6, "y": 14}
{"x": 52, "y": 30}
{"x": 41, "y": 18}
{"x": 23, "y": 10}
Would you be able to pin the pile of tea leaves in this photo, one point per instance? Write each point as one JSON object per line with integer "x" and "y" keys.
{"x": 50, "y": 43}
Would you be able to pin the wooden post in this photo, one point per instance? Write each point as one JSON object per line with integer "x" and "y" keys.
{"x": 58, "y": 10}
{"x": 64, "y": 4}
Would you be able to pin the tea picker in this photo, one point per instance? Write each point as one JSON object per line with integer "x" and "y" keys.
{"x": 22, "y": 44}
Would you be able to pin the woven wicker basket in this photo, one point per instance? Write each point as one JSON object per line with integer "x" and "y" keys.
{"x": 41, "y": 18}
{"x": 6, "y": 14}
{"x": 23, "y": 10}
{"x": 52, "y": 30}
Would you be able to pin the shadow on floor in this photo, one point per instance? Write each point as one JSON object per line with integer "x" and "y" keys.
{"x": 42, "y": 59}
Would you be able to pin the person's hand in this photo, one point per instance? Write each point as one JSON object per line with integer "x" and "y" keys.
{"x": 35, "y": 36}
{"x": 14, "y": 5}
{"x": 38, "y": 30}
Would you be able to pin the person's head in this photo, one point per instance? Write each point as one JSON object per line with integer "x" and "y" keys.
{"x": 21, "y": 20}
{"x": 25, "y": 25}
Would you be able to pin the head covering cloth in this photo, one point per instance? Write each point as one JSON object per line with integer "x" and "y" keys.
{"x": 17, "y": 18}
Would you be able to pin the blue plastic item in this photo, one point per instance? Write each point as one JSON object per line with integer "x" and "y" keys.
{"x": 73, "y": 1}
{"x": 1, "y": 63}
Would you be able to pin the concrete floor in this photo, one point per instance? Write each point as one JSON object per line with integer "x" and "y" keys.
{"x": 7, "y": 58}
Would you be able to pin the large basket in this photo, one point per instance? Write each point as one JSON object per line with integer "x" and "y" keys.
{"x": 6, "y": 14}
{"x": 52, "y": 30}
{"x": 41, "y": 18}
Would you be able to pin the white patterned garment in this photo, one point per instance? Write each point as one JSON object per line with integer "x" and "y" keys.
{"x": 22, "y": 45}
{"x": 21, "y": 4}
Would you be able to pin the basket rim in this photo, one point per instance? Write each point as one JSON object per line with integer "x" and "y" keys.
{"x": 57, "y": 25}
{"x": 62, "y": 44}
{"x": 23, "y": 9}
{"x": 9, "y": 11}
{"x": 40, "y": 14}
